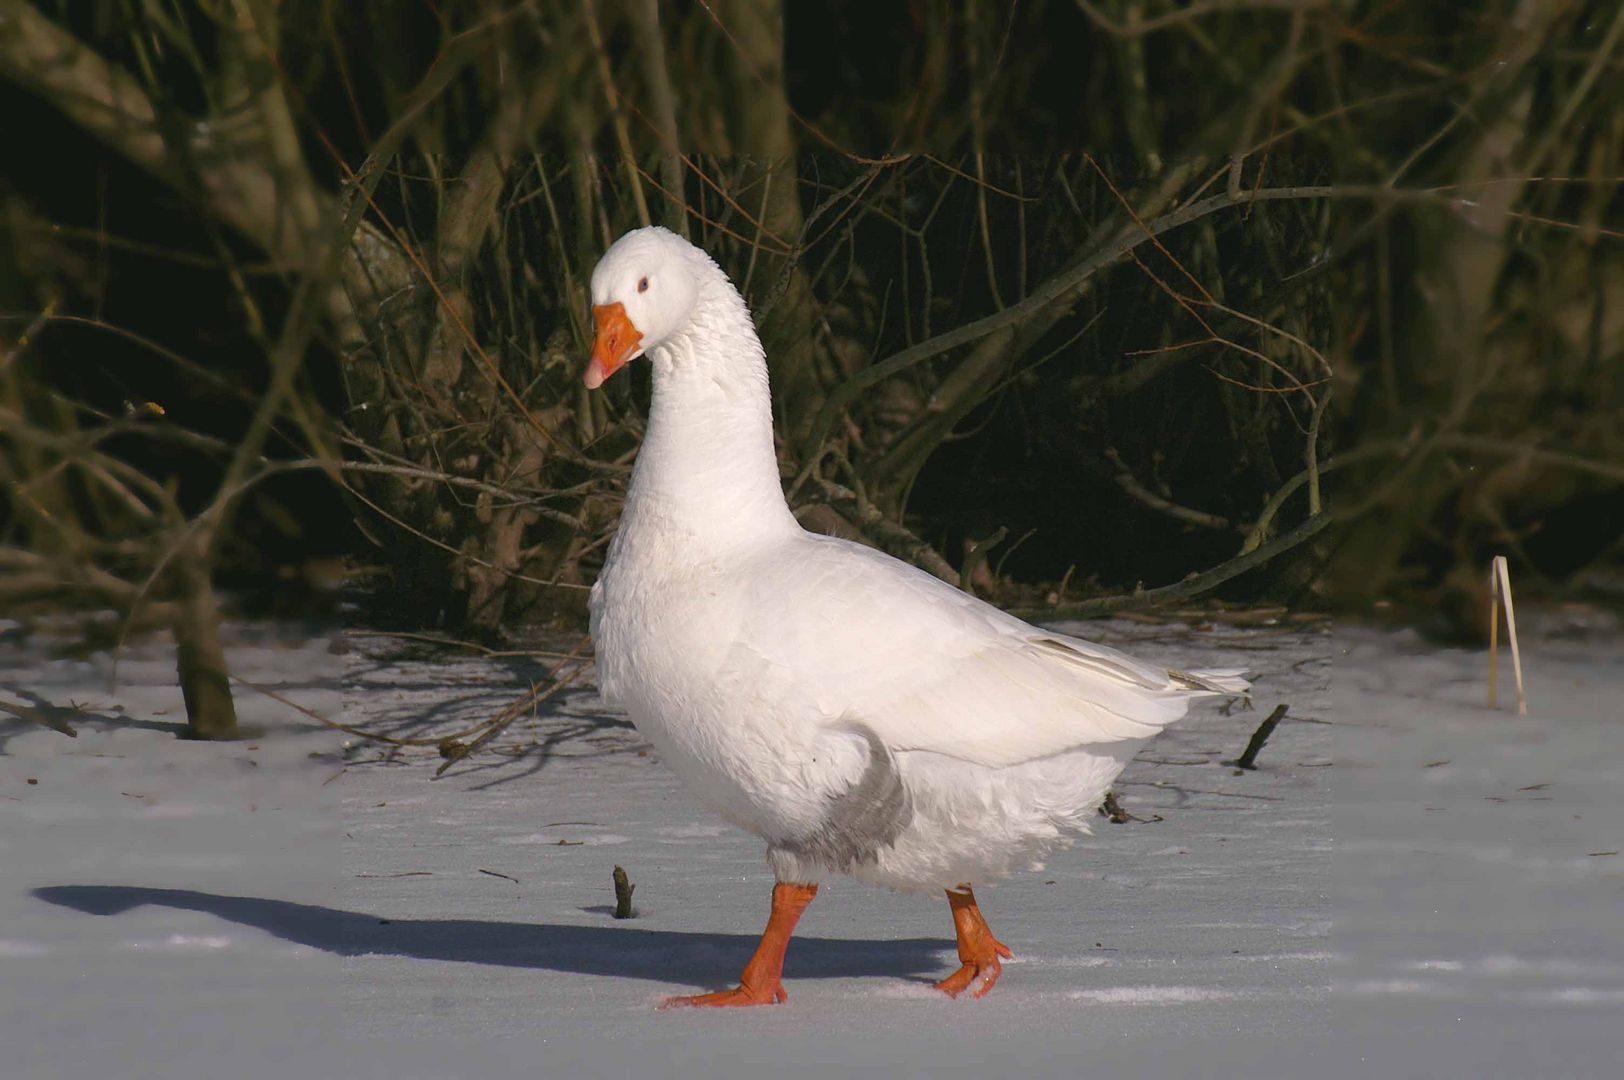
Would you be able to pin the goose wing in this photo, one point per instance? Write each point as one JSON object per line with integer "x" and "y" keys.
{"x": 929, "y": 667}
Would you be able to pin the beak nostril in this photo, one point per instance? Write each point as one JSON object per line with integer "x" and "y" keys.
{"x": 615, "y": 340}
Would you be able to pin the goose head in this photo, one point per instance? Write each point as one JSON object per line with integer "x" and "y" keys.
{"x": 644, "y": 293}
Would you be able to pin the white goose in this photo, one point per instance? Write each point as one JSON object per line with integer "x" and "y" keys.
{"x": 856, "y": 713}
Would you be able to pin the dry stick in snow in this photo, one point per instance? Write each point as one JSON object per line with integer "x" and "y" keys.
{"x": 1112, "y": 809}
{"x": 45, "y": 713}
{"x": 623, "y": 894}
{"x": 1248, "y": 760}
{"x": 1500, "y": 585}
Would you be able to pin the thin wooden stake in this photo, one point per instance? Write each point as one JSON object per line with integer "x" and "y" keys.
{"x": 1511, "y": 634}
{"x": 1500, "y": 586}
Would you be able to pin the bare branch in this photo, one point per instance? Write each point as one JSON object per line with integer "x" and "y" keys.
{"x": 1057, "y": 290}
{"x": 1191, "y": 11}
{"x": 1131, "y": 486}
{"x": 1194, "y": 585}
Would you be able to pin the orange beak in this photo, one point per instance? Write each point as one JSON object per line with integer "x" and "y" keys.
{"x": 615, "y": 343}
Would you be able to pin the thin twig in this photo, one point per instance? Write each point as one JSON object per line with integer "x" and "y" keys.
{"x": 1194, "y": 585}
{"x": 1191, "y": 11}
{"x": 976, "y": 556}
{"x": 616, "y": 119}
{"x": 1137, "y": 491}
{"x": 455, "y": 751}
{"x": 1060, "y": 287}
{"x": 1248, "y": 759}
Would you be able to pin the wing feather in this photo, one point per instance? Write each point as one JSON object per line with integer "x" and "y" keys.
{"x": 932, "y": 668}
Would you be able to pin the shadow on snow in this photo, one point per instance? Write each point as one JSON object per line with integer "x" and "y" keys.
{"x": 626, "y": 952}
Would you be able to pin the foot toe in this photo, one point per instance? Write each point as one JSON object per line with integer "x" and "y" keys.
{"x": 736, "y": 997}
{"x": 981, "y": 974}
{"x": 955, "y": 983}
{"x": 989, "y": 975}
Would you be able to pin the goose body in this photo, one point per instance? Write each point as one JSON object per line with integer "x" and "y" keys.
{"x": 858, "y": 714}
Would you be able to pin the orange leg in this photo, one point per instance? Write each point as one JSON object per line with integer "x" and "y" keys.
{"x": 978, "y": 949}
{"x": 761, "y": 982}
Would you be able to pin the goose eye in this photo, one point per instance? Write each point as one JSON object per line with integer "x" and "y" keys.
{"x": 642, "y": 285}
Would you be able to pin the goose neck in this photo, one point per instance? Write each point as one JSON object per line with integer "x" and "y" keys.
{"x": 707, "y": 466}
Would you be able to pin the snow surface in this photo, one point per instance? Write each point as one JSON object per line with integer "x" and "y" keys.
{"x": 1478, "y": 878}
{"x": 307, "y": 903}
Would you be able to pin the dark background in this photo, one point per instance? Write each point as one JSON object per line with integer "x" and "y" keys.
{"x": 873, "y": 175}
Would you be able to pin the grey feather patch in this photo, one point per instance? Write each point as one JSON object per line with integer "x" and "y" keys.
{"x": 1189, "y": 682}
{"x": 1227, "y": 681}
{"x": 865, "y": 818}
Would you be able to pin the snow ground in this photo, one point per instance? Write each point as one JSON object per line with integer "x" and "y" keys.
{"x": 290, "y": 906}
{"x": 1478, "y": 878}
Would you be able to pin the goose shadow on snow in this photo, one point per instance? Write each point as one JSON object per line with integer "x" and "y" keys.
{"x": 673, "y": 956}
